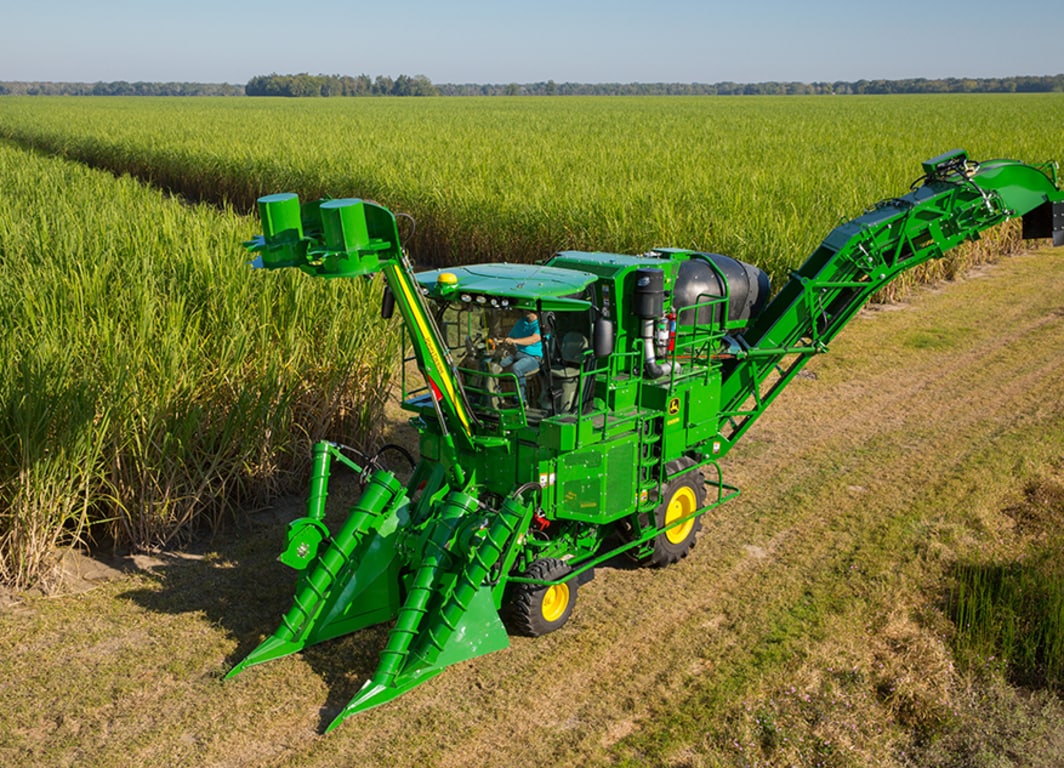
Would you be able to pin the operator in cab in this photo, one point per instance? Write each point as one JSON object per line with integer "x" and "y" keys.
{"x": 529, "y": 350}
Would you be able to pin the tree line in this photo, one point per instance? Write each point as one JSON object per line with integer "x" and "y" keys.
{"x": 119, "y": 88}
{"x": 306, "y": 85}
{"x": 339, "y": 85}
{"x": 1020, "y": 84}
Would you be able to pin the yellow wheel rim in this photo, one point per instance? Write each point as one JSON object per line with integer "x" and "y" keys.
{"x": 681, "y": 505}
{"x": 555, "y": 601}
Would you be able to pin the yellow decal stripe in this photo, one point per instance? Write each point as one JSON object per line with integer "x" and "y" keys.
{"x": 437, "y": 358}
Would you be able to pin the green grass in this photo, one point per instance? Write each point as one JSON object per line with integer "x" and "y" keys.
{"x": 155, "y": 383}
{"x": 760, "y": 179}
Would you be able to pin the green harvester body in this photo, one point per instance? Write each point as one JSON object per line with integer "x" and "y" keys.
{"x": 653, "y": 367}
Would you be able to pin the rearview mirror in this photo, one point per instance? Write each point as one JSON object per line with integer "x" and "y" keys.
{"x": 603, "y": 338}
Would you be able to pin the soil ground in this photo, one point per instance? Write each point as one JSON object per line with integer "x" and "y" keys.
{"x": 805, "y": 628}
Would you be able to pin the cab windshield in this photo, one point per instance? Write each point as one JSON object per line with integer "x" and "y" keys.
{"x": 545, "y": 377}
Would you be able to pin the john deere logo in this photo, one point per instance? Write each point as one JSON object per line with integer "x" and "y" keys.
{"x": 674, "y": 406}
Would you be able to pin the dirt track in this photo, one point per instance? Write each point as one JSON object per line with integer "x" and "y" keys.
{"x": 896, "y": 452}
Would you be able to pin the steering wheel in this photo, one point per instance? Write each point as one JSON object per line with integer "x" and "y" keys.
{"x": 474, "y": 343}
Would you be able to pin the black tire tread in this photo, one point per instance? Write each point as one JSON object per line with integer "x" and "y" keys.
{"x": 665, "y": 552}
{"x": 524, "y": 615}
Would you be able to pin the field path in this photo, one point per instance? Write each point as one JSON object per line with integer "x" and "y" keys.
{"x": 886, "y": 458}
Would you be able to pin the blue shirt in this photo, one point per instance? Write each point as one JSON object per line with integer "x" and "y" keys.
{"x": 523, "y": 329}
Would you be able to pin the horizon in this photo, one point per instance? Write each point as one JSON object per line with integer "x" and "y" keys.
{"x": 541, "y": 82}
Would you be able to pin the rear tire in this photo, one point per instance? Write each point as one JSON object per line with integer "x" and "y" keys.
{"x": 536, "y": 609}
{"x": 682, "y": 496}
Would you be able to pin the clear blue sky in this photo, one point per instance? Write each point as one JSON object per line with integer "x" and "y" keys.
{"x": 477, "y": 41}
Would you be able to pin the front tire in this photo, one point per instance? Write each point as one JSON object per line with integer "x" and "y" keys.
{"x": 536, "y": 609}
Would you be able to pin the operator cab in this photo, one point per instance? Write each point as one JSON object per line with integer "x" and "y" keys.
{"x": 476, "y": 308}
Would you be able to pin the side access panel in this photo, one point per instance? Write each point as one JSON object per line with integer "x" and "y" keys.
{"x": 598, "y": 484}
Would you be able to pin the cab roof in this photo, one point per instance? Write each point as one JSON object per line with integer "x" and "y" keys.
{"x": 524, "y": 285}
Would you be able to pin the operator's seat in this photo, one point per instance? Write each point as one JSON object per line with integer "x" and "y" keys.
{"x": 566, "y": 371}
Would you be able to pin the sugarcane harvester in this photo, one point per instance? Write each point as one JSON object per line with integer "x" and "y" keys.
{"x": 653, "y": 366}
